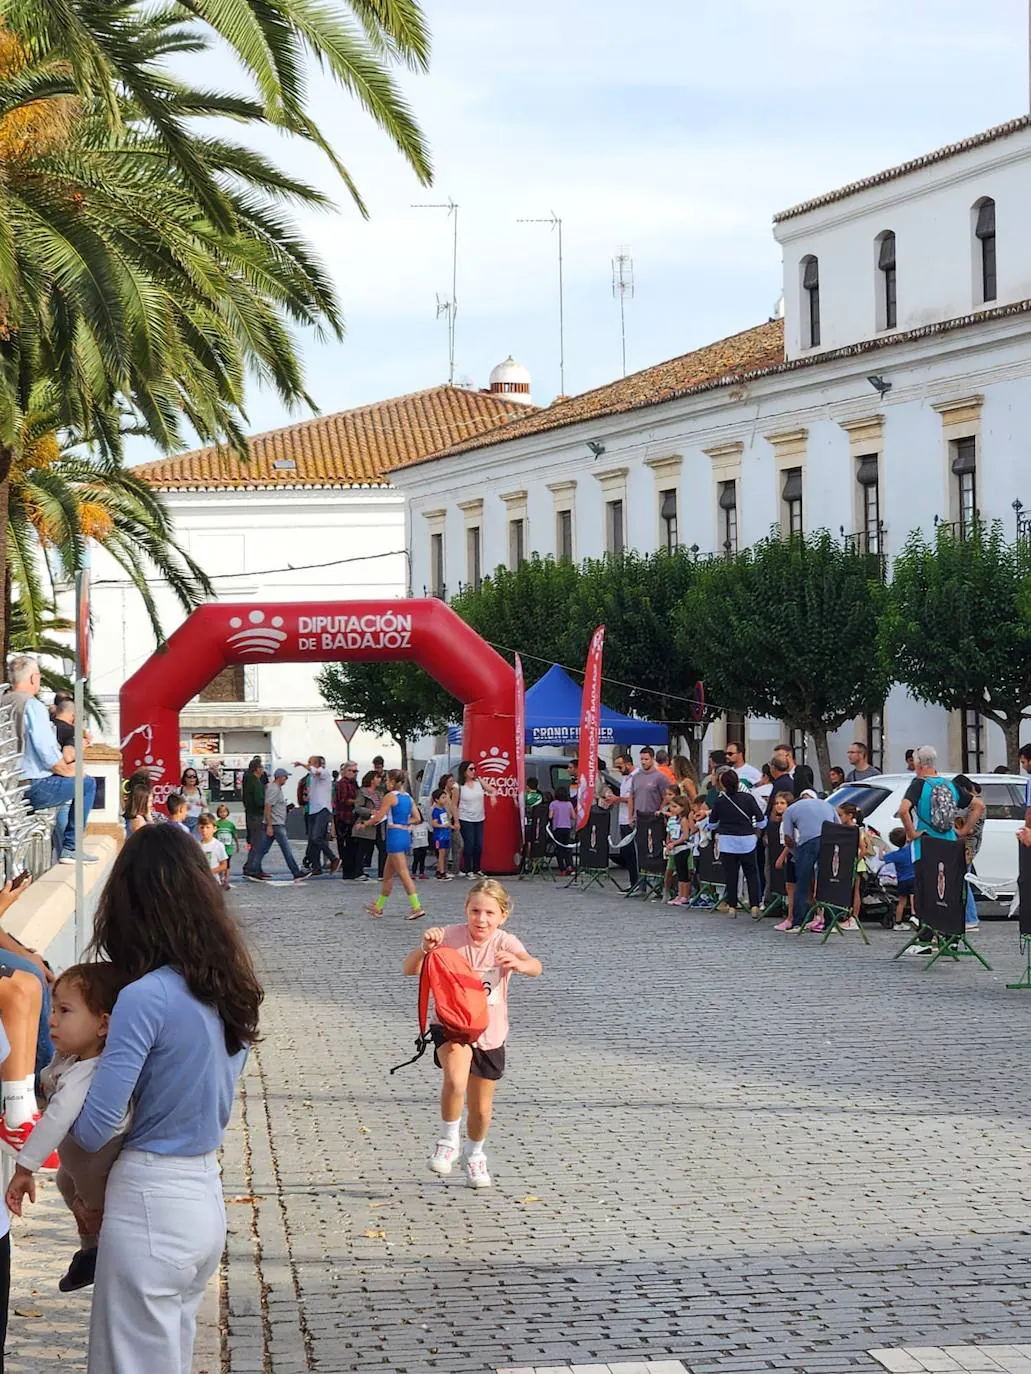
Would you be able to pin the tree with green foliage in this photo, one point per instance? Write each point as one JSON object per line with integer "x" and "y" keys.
{"x": 957, "y": 626}
{"x": 395, "y": 699}
{"x": 789, "y": 629}
{"x": 527, "y": 611}
{"x": 648, "y": 670}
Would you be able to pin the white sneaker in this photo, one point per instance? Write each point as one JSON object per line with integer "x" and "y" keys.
{"x": 444, "y": 1157}
{"x": 476, "y": 1171}
{"x": 923, "y": 950}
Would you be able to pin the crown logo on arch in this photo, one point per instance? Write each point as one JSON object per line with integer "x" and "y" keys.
{"x": 254, "y": 636}
{"x": 496, "y": 762}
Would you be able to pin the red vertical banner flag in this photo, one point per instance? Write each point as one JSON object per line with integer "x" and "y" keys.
{"x": 520, "y": 741}
{"x": 590, "y": 730}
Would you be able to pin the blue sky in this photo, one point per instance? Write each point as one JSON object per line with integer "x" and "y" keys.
{"x": 674, "y": 127}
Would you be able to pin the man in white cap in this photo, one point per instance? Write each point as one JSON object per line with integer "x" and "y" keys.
{"x": 275, "y": 829}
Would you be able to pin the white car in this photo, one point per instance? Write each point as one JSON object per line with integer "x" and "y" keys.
{"x": 879, "y": 799}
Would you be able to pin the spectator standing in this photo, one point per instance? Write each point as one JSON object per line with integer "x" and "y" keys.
{"x": 686, "y": 775}
{"x": 363, "y": 832}
{"x": 254, "y": 783}
{"x": 910, "y": 760}
{"x": 627, "y": 854}
{"x": 345, "y": 793}
{"x": 970, "y": 828}
{"x": 139, "y": 804}
{"x": 647, "y": 788}
{"x": 747, "y": 772}
{"x": 837, "y": 778}
{"x": 1025, "y": 763}
{"x": 187, "y": 1015}
{"x": 453, "y": 796}
{"x": 737, "y": 818}
{"x": 859, "y": 758}
{"x": 472, "y": 814}
{"x": 320, "y": 813}
{"x": 189, "y": 790}
{"x": 929, "y": 808}
{"x": 663, "y": 765}
{"x": 803, "y": 825}
{"x": 275, "y": 830}
{"x": 50, "y": 777}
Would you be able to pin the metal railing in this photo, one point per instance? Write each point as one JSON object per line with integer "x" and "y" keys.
{"x": 26, "y": 836}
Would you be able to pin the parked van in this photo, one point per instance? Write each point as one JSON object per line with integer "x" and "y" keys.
{"x": 550, "y": 770}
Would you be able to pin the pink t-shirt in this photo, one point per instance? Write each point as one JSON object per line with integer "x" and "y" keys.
{"x": 483, "y": 959}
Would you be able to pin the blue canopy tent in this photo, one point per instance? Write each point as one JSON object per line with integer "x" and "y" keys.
{"x": 553, "y": 717}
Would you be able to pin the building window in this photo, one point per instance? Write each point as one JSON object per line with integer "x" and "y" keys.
{"x": 870, "y": 500}
{"x": 615, "y": 535}
{"x": 474, "y": 567}
{"x": 875, "y": 739}
{"x": 964, "y": 468}
{"x": 228, "y": 685}
{"x": 811, "y": 301}
{"x": 437, "y": 566}
{"x": 792, "y": 497}
{"x": 516, "y": 543}
{"x": 668, "y": 519}
{"x": 564, "y": 534}
{"x": 728, "y": 518}
{"x": 985, "y": 231}
{"x": 796, "y": 738}
{"x": 887, "y": 309}
{"x": 972, "y": 725}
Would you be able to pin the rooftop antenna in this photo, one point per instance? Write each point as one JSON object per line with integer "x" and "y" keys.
{"x": 623, "y": 289}
{"x": 556, "y": 223}
{"x": 449, "y": 306}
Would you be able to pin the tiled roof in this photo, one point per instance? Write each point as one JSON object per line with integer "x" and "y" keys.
{"x": 1014, "y": 126}
{"x": 349, "y": 449}
{"x": 742, "y": 358}
{"x": 759, "y": 347}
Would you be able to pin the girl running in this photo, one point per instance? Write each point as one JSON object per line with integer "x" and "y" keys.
{"x": 400, "y": 813}
{"x": 471, "y": 1072}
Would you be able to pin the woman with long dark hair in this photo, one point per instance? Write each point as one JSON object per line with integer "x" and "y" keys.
{"x": 189, "y": 790}
{"x": 177, "y": 1042}
{"x": 472, "y": 795}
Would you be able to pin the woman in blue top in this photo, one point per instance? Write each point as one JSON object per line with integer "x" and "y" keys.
{"x": 178, "y": 1040}
{"x": 401, "y": 814}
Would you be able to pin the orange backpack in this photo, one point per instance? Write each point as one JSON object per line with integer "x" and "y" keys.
{"x": 459, "y": 1001}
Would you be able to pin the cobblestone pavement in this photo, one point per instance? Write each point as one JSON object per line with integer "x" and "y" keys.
{"x": 715, "y": 1144}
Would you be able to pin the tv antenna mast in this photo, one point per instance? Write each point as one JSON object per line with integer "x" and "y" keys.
{"x": 448, "y": 307}
{"x": 623, "y": 290}
{"x": 556, "y": 223}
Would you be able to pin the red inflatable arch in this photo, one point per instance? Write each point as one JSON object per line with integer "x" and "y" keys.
{"x": 426, "y": 631}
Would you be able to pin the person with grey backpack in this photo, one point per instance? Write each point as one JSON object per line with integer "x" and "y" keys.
{"x": 930, "y": 808}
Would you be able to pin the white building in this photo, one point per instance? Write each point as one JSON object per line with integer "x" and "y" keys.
{"x": 308, "y": 514}
{"x": 895, "y": 393}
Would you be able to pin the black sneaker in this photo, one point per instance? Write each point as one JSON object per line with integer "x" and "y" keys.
{"x": 81, "y": 1271}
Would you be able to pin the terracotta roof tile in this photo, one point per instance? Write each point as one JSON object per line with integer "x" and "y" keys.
{"x": 1013, "y": 126}
{"x": 754, "y": 348}
{"x": 755, "y": 353}
{"x": 351, "y": 448}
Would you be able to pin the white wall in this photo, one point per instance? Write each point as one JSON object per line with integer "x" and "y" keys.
{"x": 938, "y": 266}
{"x": 991, "y": 360}
{"x": 248, "y": 542}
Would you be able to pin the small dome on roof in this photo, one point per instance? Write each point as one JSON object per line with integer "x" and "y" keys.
{"x": 511, "y": 379}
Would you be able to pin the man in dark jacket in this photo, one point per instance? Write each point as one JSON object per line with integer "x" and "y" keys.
{"x": 254, "y": 811}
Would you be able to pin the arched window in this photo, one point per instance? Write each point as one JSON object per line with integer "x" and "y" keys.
{"x": 887, "y": 308}
{"x": 811, "y": 301}
{"x": 984, "y": 232}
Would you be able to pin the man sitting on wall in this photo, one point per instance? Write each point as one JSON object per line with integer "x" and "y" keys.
{"x": 51, "y": 778}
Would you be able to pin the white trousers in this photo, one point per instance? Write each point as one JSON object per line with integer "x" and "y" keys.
{"x": 163, "y": 1234}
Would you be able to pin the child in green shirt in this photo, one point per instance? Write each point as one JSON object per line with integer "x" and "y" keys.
{"x": 225, "y": 832}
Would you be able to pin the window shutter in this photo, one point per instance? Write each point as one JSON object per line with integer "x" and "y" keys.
{"x": 965, "y": 456}
{"x": 793, "y": 484}
{"x": 669, "y": 505}
{"x": 811, "y": 274}
{"x": 728, "y": 496}
{"x": 866, "y": 474}
{"x": 886, "y": 257}
{"x": 986, "y": 220}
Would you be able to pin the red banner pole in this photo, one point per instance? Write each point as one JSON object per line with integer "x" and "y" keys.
{"x": 590, "y": 730}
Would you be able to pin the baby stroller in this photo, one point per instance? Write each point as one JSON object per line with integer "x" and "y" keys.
{"x": 878, "y": 897}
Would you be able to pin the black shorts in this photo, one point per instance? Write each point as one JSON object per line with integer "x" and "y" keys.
{"x": 906, "y": 888}
{"x": 488, "y": 1064}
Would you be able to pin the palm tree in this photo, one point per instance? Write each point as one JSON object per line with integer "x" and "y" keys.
{"x": 356, "y": 41}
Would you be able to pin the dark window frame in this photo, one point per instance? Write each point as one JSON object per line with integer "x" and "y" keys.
{"x": 516, "y": 542}
{"x": 811, "y": 287}
{"x": 564, "y": 527}
{"x": 615, "y": 526}
{"x": 728, "y": 517}
{"x": 474, "y": 555}
{"x": 972, "y": 742}
{"x": 984, "y": 231}
{"x": 438, "y": 584}
{"x": 669, "y": 513}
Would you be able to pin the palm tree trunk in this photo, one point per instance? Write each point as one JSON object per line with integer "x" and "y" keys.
{"x": 6, "y": 455}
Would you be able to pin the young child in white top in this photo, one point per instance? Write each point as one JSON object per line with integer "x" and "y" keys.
{"x": 471, "y": 1072}
{"x": 83, "y": 999}
{"x": 214, "y": 850}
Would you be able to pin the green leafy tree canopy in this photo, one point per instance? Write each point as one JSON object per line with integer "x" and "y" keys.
{"x": 395, "y": 699}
